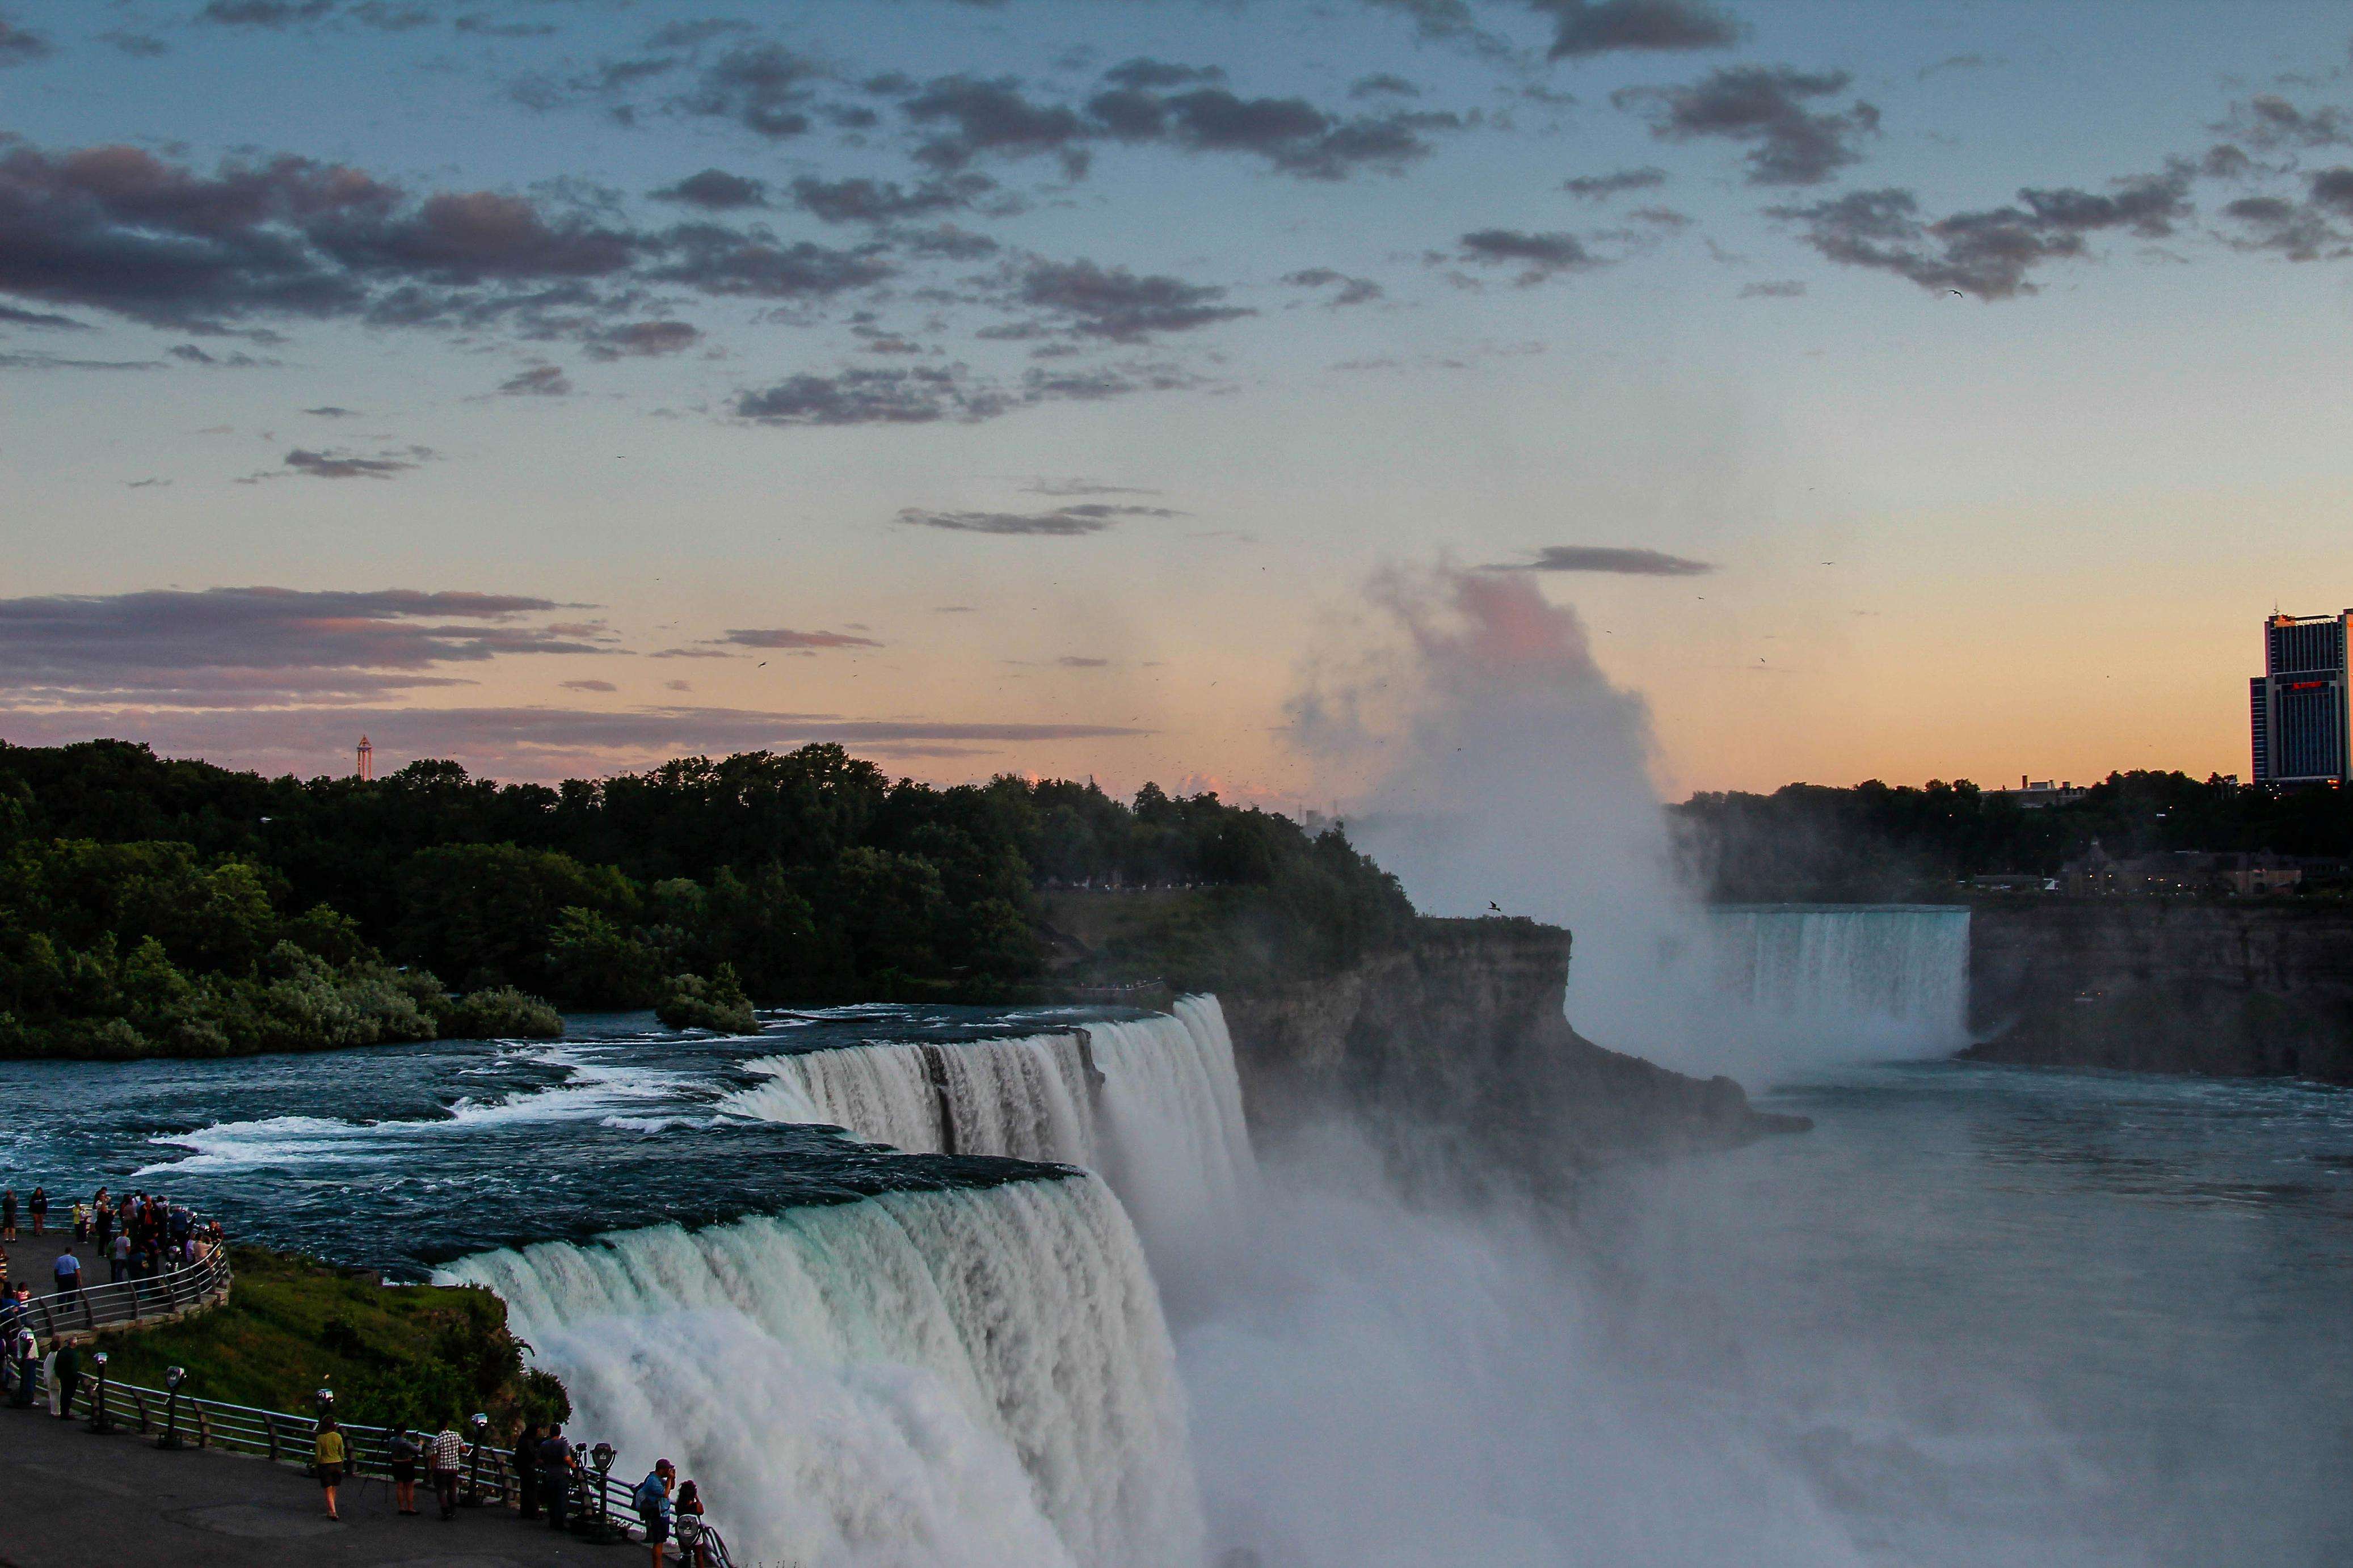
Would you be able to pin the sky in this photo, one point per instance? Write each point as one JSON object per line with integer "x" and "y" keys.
{"x": 1903, "y": 391}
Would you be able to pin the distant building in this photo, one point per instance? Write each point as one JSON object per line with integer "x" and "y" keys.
{"x": 2187, "y": 871}
{"x": 367, "y": 761}
{"x": 2297, "y": 713}
{"x": 2034, "y": 794}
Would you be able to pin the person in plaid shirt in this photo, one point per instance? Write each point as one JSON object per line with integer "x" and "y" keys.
{"x": 447, "y": 1453}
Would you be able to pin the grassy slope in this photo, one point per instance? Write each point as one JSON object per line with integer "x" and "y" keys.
{"x": 412, "y": 1354}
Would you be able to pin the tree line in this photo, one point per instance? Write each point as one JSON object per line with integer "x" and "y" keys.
{"x": 1875, "y": 841}
{"x": 154, "y": 905}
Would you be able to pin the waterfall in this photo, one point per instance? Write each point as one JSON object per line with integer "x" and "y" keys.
{"x": 1176, "y": 1145}
{"x": 971, "y": 1378}
{"x": 1887, "y": 980}
{"x": 1166, "y": 1125}
{"x": 1024, "y": 1097}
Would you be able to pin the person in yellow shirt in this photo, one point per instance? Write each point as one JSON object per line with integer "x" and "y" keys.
{"x": 333, "y": 1454}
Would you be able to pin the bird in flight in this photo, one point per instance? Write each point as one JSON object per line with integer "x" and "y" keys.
{"x": 1494, "y": 906}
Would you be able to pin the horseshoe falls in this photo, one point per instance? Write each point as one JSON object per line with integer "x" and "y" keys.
{"x": 971, "y": 1378}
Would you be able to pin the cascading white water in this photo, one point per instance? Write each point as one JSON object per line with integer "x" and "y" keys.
{"x": 1887, "y": 980}
{"x": 976, "y": 1378}
{"x": 1170, "y": 1133}
{"x": 1175, "y": 1141}
{"x": 1026, "y": 1098}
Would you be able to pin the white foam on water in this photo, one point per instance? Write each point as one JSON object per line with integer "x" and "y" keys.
{"x": 976, "y": 1378}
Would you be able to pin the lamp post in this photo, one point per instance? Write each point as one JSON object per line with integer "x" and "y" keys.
{"x": 173, "y": 1377}
{"x": 100, "y": 1421}
{"x": 481, "y": 1425}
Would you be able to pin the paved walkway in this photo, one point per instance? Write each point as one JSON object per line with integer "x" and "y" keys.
{"x": 68, "y": 1499}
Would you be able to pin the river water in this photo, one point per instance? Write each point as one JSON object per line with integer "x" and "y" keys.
{"x": 1979, "y": 1315}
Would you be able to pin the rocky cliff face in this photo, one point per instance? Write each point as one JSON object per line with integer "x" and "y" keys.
{"x": 1461, "y": 1036}
{"x": 2165, "y": 986}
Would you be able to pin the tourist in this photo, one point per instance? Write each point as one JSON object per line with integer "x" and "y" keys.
{"x": 526, "y": 1468}
{"x": 81, "y": 1221}
{"x": 688, "y": 1527}
{"x": 118, "y": 1258}
{"x": 64, "y": 1379}
{"x": 38, "y": 1206}
{"x": 8, "y": 1214}
{"x": 653, "y": 1504}
{"x": 556, "y": 1463}
{"x": 448, "y": 1455}
{"x": 24, "y": 1352}
{"x": 401, "y": 1453}
{"x": 68, "y": 1269}
{"x": 102, "y": 1217}
{"x": 3, "y": 1274}
{"x": 331, "y": 1453}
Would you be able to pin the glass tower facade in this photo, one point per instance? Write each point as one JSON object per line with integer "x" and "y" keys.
{"x": 2298, "y": 714}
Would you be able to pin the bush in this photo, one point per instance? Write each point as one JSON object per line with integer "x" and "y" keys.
{"x": 690, "y": 1002}
{"x": 502, "y": 1013}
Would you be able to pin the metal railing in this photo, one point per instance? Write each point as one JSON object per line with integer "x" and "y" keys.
{"x": 129, "y": 1301}
{"x": 600, "y": 1503}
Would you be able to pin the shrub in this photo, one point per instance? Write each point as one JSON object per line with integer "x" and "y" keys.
{"x": 690, "y": 1002}
{"x": 502, "y": 1013}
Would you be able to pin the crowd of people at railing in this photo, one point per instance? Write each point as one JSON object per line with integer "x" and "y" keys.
{"x": 139, "y": 1236}
{"x": 145, "y": 1236}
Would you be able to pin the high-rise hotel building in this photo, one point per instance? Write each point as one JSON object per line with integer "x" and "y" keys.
{"x": 2299, "y": 705}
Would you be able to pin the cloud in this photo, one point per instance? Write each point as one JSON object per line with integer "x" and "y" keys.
{"x": 765, "y": 88}
{"x": 2268, "y": 121}
{"x": 138, "y": 46}
{"x": 692, "y": 653}
{"x": 922, "y": 395}
{"x": 587, "y": 686}
{"x": 2298, "y": 232}
{"x": 1539, "y": 256}
{"x": 1953, "y": 63}
{"x": 1383, "y": 84}
{"x": 12, "y": 317}
{"x": 263, "y": 12}
{"x": 119, "y": 229}
{"x": 58, "y": 362}
{"x": 189, "y": 353}
{"x": 146, "y": 484}
{"x": 1596, "y": 187}
{"x": 1111, "y": 302}
{"x": 1351, "y": 291}
{"x": 1990, "y": 254}
{"x": 1045, "y": 486}
{"x": 781, "y": 637}
{"x": 1149, "y": 73}
{"x": 715, "y": 190}
{"x": 521, "y": 742}
{"x": 337, "y": 465}
{"x": 728, "y": 261}
{"x": 329, "y": 411}
{"x": 21, "y": 46}
{"x": 885, "y": 201}
{"x": 539, "y": 381}
{"x": 678, "y": 686}
{"x": 1587, "y": 27}
{"x": 1785, "y": 289}
{"x": 969, "y": 116}
{"x": 1062, "y": 522}
{"x": 642, "y": 340}
{"x": 1764, "y": 106}
{"x": 1620, "y": 560}
{"x": 261, "y": 643}
{"x": 1076, "y": 662}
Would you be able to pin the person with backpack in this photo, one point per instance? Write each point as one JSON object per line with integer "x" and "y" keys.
{"x": 653, "y": 1505}
{"x": 400, "y": 1456}
{"x": 448, "y": 1456}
